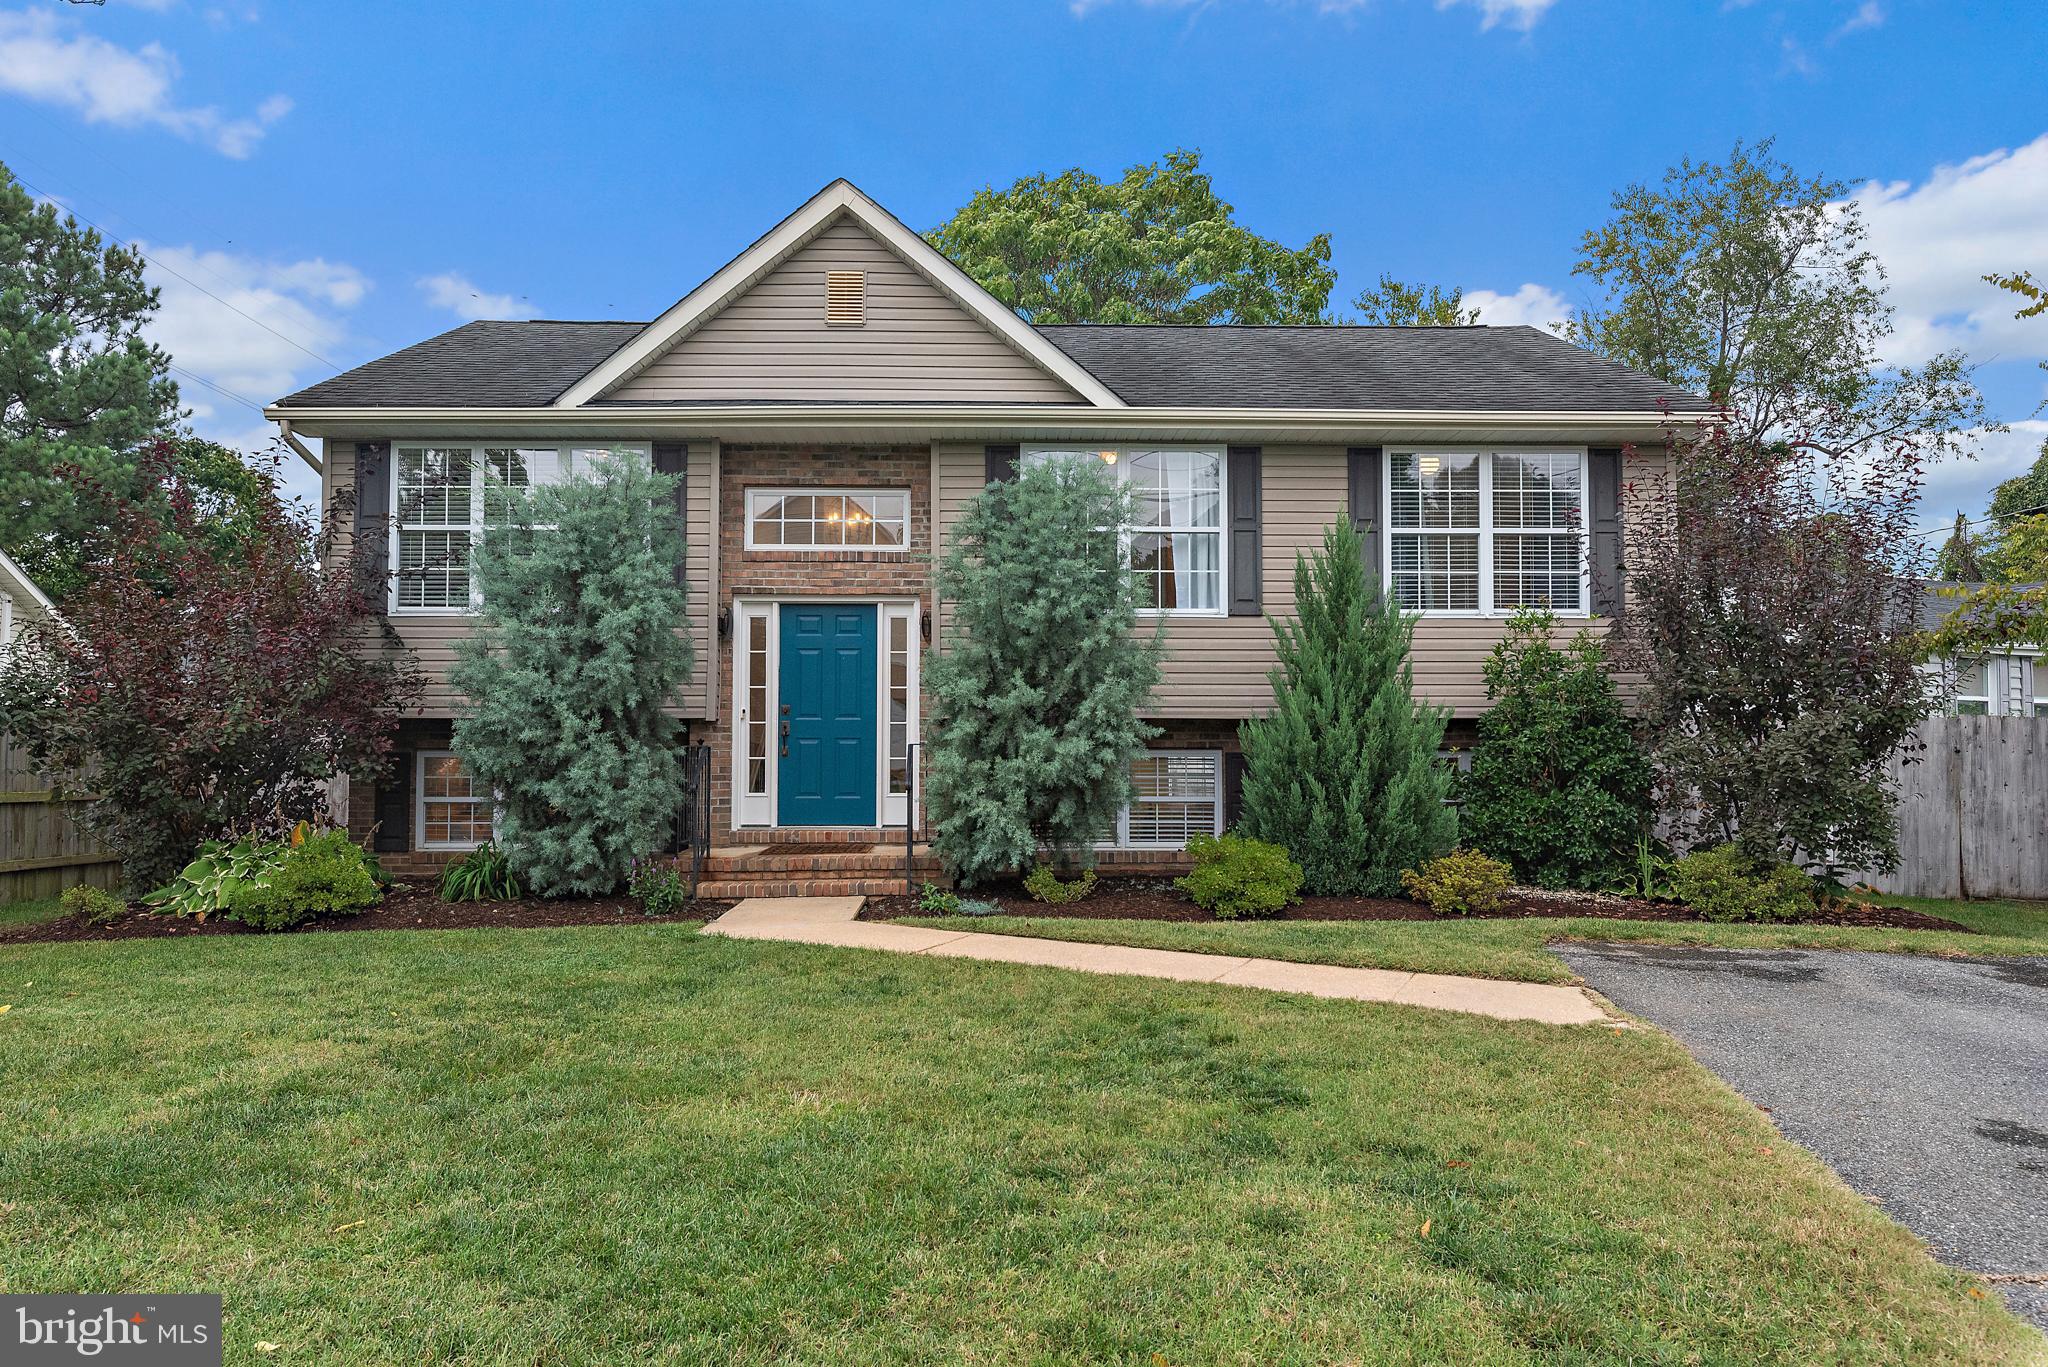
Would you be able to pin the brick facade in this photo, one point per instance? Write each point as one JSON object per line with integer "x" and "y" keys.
{"x": 808, "y": 574}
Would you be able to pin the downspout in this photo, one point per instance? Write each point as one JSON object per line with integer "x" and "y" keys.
{"x": 291, "y": 439}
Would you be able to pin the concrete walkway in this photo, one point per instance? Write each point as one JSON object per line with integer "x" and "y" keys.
{"x": 830, "y": 921}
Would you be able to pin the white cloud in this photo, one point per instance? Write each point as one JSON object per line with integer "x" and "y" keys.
{"x": 1532, "y": 305}
{"x": 1965, "y": 485}
{"x": 106, "y": 83}
{"x": 1869, "y": 14}
{"x": 293, "y": 317}
{"x": 1516, "y": 14}
{"x": 1937, "y": 239}
{"x": 462, "y": 297}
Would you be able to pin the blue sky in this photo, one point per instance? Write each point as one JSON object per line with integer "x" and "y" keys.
{"x": 356, "y": 177}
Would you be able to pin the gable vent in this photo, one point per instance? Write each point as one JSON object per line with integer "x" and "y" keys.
{"x": 846, "y": 298}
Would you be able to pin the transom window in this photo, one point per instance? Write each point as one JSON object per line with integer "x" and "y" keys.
{"x": 454, "y": 811}
{"x": 1486, "y": 531}
{"x": 1176, "y": 545}
{"x": 444, "y": 496}
{"x": 827, "y": 519}
{"x": 1179, "y": 795}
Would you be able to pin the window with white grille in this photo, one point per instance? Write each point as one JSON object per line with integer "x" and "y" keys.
{"x": 454, "y": 810}
{"x": 1486, "y": 531}
{"x": 1178, "y": 795}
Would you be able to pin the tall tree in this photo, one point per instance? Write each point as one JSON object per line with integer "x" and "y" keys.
{"x": 1771, "y": 615}
{"x": 1155, "y": 246}
{"x": 204, "y": 685}
{"x": 1961, "y": 556}
{"x": 1343, "y": 771}
{"x": 81, "y": 392}
{"x": 1035, "y": 702}
{"x": 1393, "y": 303}
{"x": 577, "y": 649}
{"x": 1750, "y": 282}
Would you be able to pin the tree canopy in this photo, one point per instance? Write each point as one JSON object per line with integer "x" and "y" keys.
{"x": 81, "y": 392}
{"x": 1751, "y": 282}
{"x": 1394, "y": 303}
{"x": 1156, "y": 245}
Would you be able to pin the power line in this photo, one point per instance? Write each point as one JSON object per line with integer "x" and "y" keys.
{"x": 221, "y": 390}
{"x": 1969, "y": 522}
{"x": 288, "y": 341}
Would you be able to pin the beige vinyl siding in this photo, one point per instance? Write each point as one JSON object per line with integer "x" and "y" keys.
{"x": 432, "y": 638}
{"x": 772, "y": 341}
{"x": 1217, "y": 666}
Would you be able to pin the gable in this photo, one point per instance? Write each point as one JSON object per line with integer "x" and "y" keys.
{"x": 771, "y": 342}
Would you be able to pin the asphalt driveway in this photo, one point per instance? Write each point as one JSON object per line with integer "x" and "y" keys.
{"x": 1923, "y": 1082}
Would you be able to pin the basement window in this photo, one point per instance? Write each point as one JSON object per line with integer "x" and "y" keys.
{"x": 1177, "y": 795}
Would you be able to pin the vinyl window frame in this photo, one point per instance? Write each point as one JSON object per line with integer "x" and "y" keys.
{"x": 1121, "y": 838}
{"x": 1486, "y": 531}
{"x": 1121, "y": 467}
{"x": 754, "y": 544}
{"x": 569, "y": 455}
{"x": 420, "y": 803}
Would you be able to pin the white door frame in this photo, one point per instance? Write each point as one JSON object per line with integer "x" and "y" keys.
{"x": 758, "y": 811}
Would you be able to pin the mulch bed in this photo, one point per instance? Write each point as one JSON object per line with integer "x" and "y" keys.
{"x": 406, "y": 906}
{"x": 1150, "y": 899}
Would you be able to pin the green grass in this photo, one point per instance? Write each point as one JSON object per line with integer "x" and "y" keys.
{"x": 23, "y": 913}
{"x": 639, "y": 1144}
{"x": 1514, "y": 949}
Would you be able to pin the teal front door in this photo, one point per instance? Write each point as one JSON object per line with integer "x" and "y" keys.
{"x": 827, "y": 716}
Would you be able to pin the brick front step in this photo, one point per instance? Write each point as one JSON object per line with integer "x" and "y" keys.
{"x": 883, "y": 860}
{"x": 731, "y": 889}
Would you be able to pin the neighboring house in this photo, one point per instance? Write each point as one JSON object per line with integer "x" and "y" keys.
{"x": 836, "y": 394}
{"x": 21, "y": 602}
{"x": 2009, "y": 682}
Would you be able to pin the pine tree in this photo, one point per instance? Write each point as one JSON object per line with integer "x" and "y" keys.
{"x": 1343, "y": 771}
{"x": 1559, "y": 788}
{"x": 82, "y": 394}
{"x": 579, "y": 644}
{"x": 1035, "y": 701}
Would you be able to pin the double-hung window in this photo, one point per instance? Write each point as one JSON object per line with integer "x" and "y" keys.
{"x": 445, "y": 494}
{"x": 1177, "y": 795}
{"x": 1486, "y": 531}
{"x": 1176, "y": 544}
{"x": 454, "y": 810}
{"x": 1973, "y": 688}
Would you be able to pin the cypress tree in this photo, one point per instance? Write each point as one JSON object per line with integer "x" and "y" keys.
{"x": 579, "y": 643}
{"x": 1034, "y": 704}
{"x": 1343, "y": 770}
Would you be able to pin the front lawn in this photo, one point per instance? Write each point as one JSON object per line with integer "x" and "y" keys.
{"x": 1513, "y": 948}
{"x": 633, "y": 1143}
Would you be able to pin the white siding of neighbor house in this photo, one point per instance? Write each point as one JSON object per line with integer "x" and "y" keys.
{"x": 772, "y": 341}
{"x": 432, "y": 638}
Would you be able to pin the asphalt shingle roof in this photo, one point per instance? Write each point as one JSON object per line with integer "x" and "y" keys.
{"x": 478, "y": 365}
{"x": 1504, "y": 369}
{"x": 1486, "y": 369}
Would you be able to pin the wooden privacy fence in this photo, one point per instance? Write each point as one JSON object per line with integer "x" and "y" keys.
{"x": 1973, "y": 810}
{"x": 42, "y": 849}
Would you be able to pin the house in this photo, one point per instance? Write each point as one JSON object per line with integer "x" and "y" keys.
{"x": 835, "y": 395}
{"x": 21, "y": 602}
{"x": 2009, "y": 682}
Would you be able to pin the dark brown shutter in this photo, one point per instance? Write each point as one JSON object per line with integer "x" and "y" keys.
{"x": 1233, "y": 788}
{"x": 1604, "y": 520}
{"x": 673, "y": 458}
{"x": 1002, "y": 464}
{"x": 1368, "y": 471}
{"x": 1243, "y": 473}
{"x": 372, "y": 525}
{"x": 394, "y": 806}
